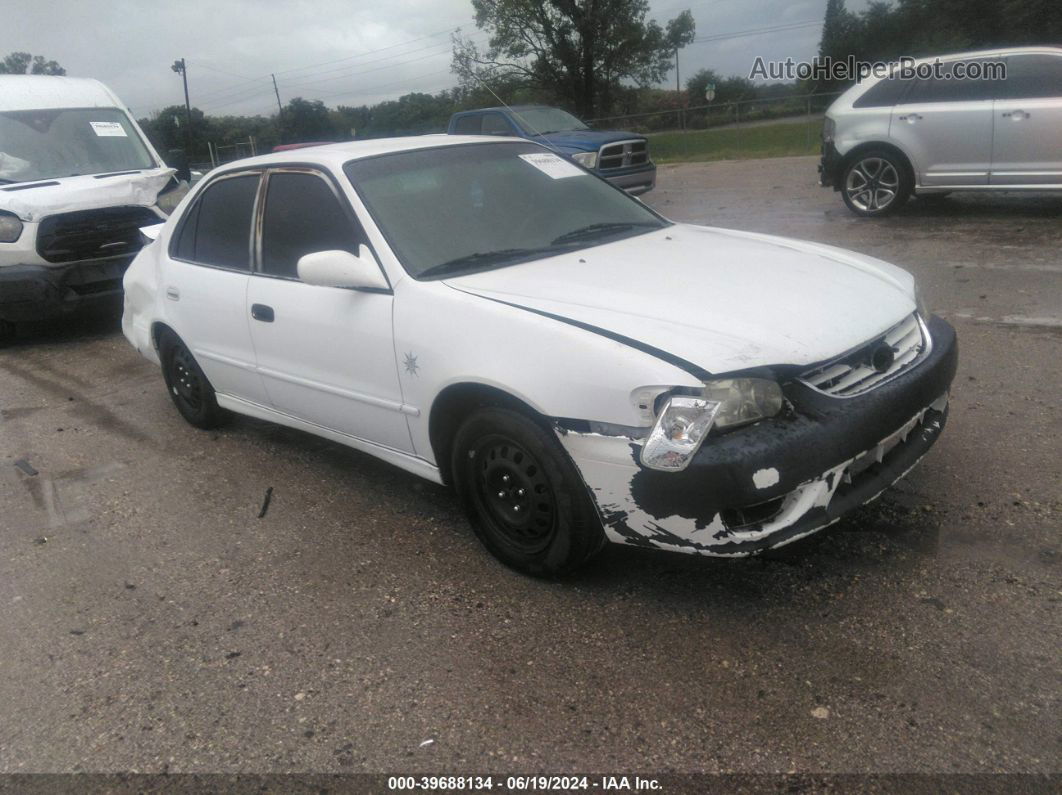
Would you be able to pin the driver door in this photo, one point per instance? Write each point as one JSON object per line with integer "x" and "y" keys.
{"x": 325, "y": 354}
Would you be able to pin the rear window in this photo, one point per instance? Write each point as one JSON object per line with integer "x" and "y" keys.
{"x": 1032, "y": 76}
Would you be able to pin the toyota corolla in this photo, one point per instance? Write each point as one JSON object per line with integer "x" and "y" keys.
{"x": 488, "y": 315}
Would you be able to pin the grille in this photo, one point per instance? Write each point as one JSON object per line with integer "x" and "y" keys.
{"x": 901, "y": 347}
{"x": 93, "y": 234}
{"x": 623, "y": 154}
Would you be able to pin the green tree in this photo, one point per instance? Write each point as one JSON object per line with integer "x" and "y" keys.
{"x": 581, "y": 51}
{"x": 21, "y": 63}
{"x": 305, "y": 120}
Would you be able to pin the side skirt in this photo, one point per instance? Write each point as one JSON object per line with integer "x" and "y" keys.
{"x": 410, "y": 463}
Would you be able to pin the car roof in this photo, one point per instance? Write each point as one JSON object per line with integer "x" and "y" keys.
{"x": 997, "y": 51}
{"x": 335, "y": 155}
{"x": 503, "y": 108}
{"x": 45, "y": 92}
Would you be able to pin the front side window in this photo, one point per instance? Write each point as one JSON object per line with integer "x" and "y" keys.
{"x": 217, "y": 229}
{"x": 56, "y": 143}
{"x": 455, "y": 209}
{"x": 1033, "y": 76}
{"x": 302, "y": 215}
{"x": 949, "y": 88}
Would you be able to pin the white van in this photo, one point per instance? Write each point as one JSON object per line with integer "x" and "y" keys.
{"x": 78, "y": 179}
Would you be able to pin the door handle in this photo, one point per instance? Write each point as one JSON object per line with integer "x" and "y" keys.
{"x": 173, "y": 293}
{"x": 911, "y": 117}
{"x": 1017, "y": 115}
{"x": 262, "y": 312}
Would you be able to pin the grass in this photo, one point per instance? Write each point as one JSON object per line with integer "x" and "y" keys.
{"x": 778, "y": 139}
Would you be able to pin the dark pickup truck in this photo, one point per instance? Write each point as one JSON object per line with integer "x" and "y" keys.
{"x": 620, "y": 157}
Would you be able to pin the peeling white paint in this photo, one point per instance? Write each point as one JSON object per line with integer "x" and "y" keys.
{"x": 765, "y": 478}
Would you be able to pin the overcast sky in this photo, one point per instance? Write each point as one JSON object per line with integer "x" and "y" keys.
{"x": 349, "y": 52}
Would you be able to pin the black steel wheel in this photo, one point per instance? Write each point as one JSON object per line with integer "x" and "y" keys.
{"x": 524, "y": 497}
{"x": 187, "y": 384}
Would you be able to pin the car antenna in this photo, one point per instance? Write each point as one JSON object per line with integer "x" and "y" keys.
{"x": 505, "y": 105}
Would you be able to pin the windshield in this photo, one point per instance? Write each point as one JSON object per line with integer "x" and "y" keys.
{"x": 457, "y": 209}
{"x": 539, "y": 121}
{"x": 47, "y": 144}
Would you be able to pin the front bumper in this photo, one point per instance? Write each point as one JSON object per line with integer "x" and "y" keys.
{"x": 43, "y": 292}
{"x": 830, "y": 166}
{"x": 774, "y": 482}
{"x": 635, "y": 181}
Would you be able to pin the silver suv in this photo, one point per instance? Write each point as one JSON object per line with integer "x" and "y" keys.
{"x": 887, "y": 138}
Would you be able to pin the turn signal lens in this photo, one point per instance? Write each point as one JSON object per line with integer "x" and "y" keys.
{"x": 10, "y": 227}
{"x": 678, "y": 433}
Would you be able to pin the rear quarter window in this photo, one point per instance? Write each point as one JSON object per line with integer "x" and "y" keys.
{"x": 884, "y": 94}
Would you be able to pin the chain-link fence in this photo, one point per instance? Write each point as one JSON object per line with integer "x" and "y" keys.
{"x": 682, "y": 130}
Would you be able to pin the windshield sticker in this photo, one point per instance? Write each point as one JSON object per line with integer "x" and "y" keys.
{"x": 108, "y": 129}
{"x": 553, "y": 166}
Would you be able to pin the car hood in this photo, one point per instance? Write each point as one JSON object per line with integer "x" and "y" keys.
{"x": 586, "y": 140}
{"x": 32, "y": 201}
{"x": 721, "y": 299}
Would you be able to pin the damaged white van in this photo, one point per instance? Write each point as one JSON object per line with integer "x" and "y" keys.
{"x": 78, "y": 179}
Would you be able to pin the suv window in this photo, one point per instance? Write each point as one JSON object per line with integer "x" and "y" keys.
{"x": 217, "y": 230}
{"x": 1030, "y": 76}
{"x": 468, "y": 125}
{"x": 495, "y": 124}
{"x": 948, "y": 89}
{"x": 302, "y": 215}
{"x": 883, "y": 94}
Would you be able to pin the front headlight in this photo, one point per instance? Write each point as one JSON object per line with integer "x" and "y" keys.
{"x": 829, "y": 126}
{"x": 685, "y": 420}
{"x": 585, "y": 159}
{"x": 10, "y": 227}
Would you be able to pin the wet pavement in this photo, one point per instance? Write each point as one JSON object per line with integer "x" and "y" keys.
{"x": 152, "y": 621}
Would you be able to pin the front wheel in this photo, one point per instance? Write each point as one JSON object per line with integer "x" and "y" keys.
{"x": 876, "y": 183}
{"x": 524, "y": 497}
{"x": 188, "y": 386}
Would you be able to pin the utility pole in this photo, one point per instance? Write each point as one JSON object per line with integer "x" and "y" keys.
{"x": 179, "y": 68}
{"x": 678, "y": 91}
{"x": 280, "y": 108}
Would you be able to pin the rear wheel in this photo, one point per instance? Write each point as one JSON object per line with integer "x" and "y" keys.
{"x": 524, "y": 497}
{"x": 188, "y": 386}
{"x": 876, "y": 183}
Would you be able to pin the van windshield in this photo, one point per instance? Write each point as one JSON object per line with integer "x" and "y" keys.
{"x": 68, "y": 142}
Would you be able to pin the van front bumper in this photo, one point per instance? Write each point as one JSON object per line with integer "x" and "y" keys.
{"x": 43, "y": 292}
{"x": 830, "y": 166}
{"x": 779, "y": 480}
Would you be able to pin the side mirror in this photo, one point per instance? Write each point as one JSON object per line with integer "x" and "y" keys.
{"x": 342, "y": 269}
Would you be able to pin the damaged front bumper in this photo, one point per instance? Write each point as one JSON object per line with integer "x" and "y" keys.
{"x": 43, "y": 292}
{"x": 772, "y": 483}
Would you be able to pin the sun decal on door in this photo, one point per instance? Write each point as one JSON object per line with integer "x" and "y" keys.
{"x": 411, "y": 364}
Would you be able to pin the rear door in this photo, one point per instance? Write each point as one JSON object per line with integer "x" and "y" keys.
{"x": 1027, "y": 149}
{"x": 945, "y": 126}
{"x": 206, "y": 282}
{"x": 326, "y": 354}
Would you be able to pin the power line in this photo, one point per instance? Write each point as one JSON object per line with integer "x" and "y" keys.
{"x": 757, "y": 31}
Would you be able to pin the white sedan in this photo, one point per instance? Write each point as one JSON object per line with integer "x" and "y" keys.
{"x": 485, "y": 314}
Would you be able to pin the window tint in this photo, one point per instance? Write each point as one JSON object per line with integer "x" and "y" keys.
{"x": 302, "y": 215}
{"x": 883, "y": 94}
{"x": 495, "y": 124}
{"x": 217, "y": 230}
{"x": 468, "y": 125}
{"x": 1031, "y": 76}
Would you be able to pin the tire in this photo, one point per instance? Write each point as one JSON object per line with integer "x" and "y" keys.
{"x": 875, "y": 183}
{"x": 188, "y": 386}
{"x": 523, "y": 495}
{"x": 7, "y": 331}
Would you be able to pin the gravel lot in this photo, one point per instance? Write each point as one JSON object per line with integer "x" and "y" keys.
{"x": 150, "y": 621}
